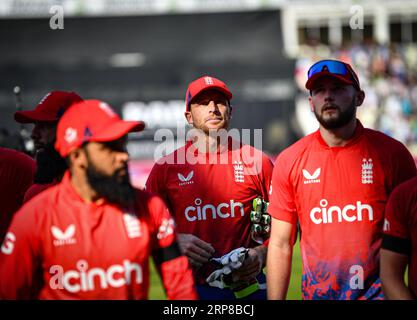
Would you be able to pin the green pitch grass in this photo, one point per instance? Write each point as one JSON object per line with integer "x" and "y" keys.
{"x": 294, "y": 292}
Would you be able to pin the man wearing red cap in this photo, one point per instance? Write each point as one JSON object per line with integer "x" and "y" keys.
{"x": 50, "y": 166}
{"x": 335, "y": 184}
{"x": 91, "y": 235}
{"x": 209, "y": 185}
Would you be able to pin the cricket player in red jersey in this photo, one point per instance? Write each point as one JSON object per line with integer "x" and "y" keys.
{"x": 50, "y": 167}
{"x": 16, "y": 176}
{"x": 399, "y": 243}
{"x": 90, "y": 236}
{"x": 335, "y": 182}
{"x": 209, "y": 186}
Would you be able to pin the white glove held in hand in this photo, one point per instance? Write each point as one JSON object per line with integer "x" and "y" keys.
{"x": 230, "y": 261}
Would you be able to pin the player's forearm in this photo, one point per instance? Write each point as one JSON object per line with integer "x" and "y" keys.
{"x": 262, "y": 252}
{"x": 393, "y": 267}
{"x": 395, "y": 289}
{"x": 278, "y": 273}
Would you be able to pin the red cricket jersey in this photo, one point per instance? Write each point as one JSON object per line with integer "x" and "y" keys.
{"x": 400, "y": 227}
{"x": 60, "y": 247}
{"x": 211, "y": 200}
{"x": 338, "y": 195}
{"x": 16, "y": 175}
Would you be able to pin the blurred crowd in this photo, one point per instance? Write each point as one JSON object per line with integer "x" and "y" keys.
{"x": 388, "y": 75}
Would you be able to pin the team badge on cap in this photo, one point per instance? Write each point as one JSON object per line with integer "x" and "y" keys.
{"x": 202, "y": 84}
{"x": 70, "y": 135}
{"x": 208, "y": 80}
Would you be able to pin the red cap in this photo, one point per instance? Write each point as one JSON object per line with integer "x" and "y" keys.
{"x": 202, "y": 84}
{"x": 50, "y": 108}
{"x": 91, "y": 120}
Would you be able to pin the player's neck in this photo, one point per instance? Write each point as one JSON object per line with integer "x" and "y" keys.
{"x": 339, "y": 137}
{"x": 206, "y": 143}
{"x": 84, "y": 190}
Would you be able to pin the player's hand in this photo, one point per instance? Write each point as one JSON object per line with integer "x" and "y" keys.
{"x": 227, "y": 263}
{"x": 197, "y": 251}
{"x": 251, "y": 266}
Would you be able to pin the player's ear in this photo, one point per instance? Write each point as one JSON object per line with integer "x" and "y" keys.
{"x": 360, "y": 97}
{"x": 189, "y": 117}
{"x": 77, "y": 158}
{"x": 310, "y": 101}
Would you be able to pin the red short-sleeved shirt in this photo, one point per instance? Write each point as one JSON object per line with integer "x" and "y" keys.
{"x": 60, "y": 247}
{"x": 213, "y": 201}
{"x": 16, "y": 176}
{"x": 338, "y": 195}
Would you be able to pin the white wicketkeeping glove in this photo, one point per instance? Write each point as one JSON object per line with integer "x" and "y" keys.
{"x": 230, "y": 261}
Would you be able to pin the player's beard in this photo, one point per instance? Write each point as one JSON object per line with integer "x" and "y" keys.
{"x": 115, "y": 188}
{"x": 50, "y": 166}
{"x": 343, "y": 118}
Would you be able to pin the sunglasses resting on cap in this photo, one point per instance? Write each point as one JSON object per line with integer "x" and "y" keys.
{"x": 334, "y": 68}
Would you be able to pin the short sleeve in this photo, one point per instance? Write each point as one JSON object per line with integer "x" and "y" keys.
{"x": 397, "y": 235}
{"x": 156, "y": 182}
{"x": 19, "y": 258}
{"x": 402, "y": 166}
{"x": 282, "y": 204}
{"x": 163, "y": 223}
{"x": 175, "y": 272}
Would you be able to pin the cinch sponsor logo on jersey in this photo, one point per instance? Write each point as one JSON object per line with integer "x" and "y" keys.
{"x": 223, "y": 210}
{"x": 132, "y": 225}
{"x": 238, "y": 168}
{"x": 311, "y": 178}
{"x": 8, "y": 243}
{"x": 367, "y": 173}
{"x": 186, "y": 180}
{"x": 85, "y": 279}
{"x": 63, "y": 237}
{"x": 349, "y": 213}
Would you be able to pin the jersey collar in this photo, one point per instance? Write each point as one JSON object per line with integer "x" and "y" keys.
{"x": 231, "y": 144}
{"x": 355, "y": 138}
